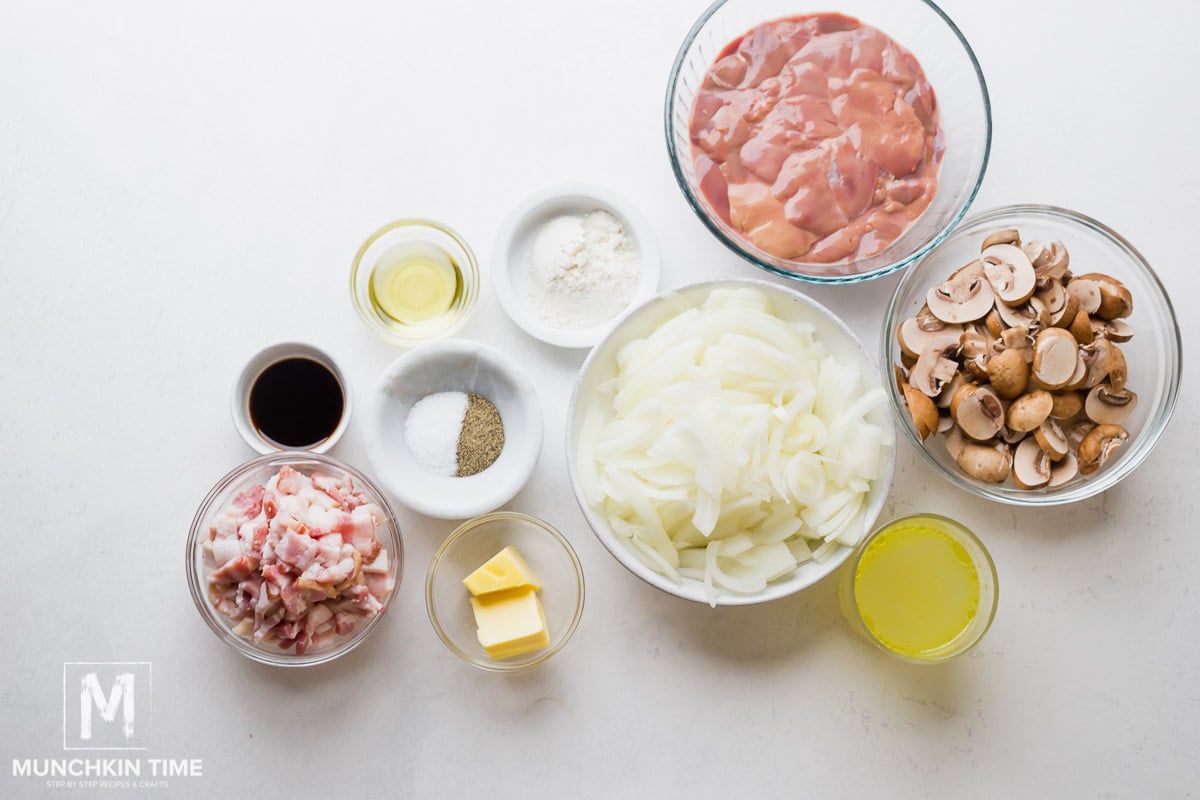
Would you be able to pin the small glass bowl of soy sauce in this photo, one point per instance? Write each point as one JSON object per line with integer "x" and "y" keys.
{"x": 291, "y": 396}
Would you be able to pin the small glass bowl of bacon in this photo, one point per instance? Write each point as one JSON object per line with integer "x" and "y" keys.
{"x": 293, "y": 558}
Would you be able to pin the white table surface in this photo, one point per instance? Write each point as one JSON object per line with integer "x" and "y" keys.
{"x": 180, "y": 186}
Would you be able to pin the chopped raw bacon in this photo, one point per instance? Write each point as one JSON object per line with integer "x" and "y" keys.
{"x": 297, "y": 562}
{"x": 249, "y": 502}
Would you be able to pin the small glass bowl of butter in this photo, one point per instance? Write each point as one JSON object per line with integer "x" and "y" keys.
{"x": 413, "y": 280}
{"x": 492, "y": 579}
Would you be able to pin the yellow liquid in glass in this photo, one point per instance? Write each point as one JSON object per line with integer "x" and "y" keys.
{"x": 415, "y": 282}
{"x": 916, "y": 588}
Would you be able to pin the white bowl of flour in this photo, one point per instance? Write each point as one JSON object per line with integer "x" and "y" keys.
{"x": 570, "y": 260}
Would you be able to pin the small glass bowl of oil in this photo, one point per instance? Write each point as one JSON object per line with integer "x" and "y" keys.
{"x": 414, "y": 279}
{"x": 922, "y": 588}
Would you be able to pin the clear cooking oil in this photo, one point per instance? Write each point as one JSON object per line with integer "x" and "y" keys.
{"x": 415, "y": 283}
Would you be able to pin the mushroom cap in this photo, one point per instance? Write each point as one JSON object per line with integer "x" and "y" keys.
{"x": 1066, "y": 404}
{"x": 1099, "y": 445}
{"x": 1098, "y": 356}
{"x": 978, "y": 411}
{"x": 1009, "y": 272}
{"x": 1031, "y": 465}
{"x": 989, "y": 463}
{"x": 1081, "y": 327}
{"x": 1055, "y": 357}
{"x": 1006, "y": 236}
{"x": 964, "y": 297}
{"x": 1029, "y": 410}
{"x": 1117, "y": 372}
{"x": 1009, "y": 373}
{"x": 1106, "y": 406}
{"x": 924, "y": 412}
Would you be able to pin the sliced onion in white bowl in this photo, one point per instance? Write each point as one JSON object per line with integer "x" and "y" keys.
{"x": 730, "y": 442}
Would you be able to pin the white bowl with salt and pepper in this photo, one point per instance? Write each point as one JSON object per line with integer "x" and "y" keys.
{"x": 570, "y": 260}
{"x": 406, "y": 459}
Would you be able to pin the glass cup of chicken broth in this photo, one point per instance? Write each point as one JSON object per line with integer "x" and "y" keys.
{"x": 921, "y": 587}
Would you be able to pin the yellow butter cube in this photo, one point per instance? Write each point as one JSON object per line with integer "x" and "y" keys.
{"x": 511, "y": 622}
{"x": 503, "y": 571}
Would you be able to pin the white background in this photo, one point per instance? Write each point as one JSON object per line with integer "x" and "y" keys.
{"x": 182, "y": 184}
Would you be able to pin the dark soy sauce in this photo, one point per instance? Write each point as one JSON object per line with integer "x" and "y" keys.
{"x": 296, "y": 402}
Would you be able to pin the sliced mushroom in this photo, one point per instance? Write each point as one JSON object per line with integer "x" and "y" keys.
{"x": 955, "y": 442}
{"x": 946, "y": 396}
{"x": 989, "y": 463}
{"x": 1031, "y": 313}
{"x": 1029, "y": 410}
{"x": 1117, "y": 372}
{"x": 1050, "y": 260}
{"x": 973, "y": 349}
{"x": 1077, "y": 377}
{"x": 1087, "y": 292}
{"x": 1050, "y": 437}
{"x": 1117, "y": 330}
{"x": 1009, "y": 272}
{"x": 1115, "y": 299}
{"x": 1019, "y": 338}
{"x": 978, "y": 411}
{"x": 1062, "y": 306}
{"x": 924, "y": 412}
{"x": 964, "y": 297}
{"x": 901, "y": 378}
{"x": 1009, "y": 373}
{"x": 1006, "y": 236}
{"x": 1099, "y": 358}
{"x": 917, "y": 333}
{"x": 1081, "y": 327}
{"x": 1105, "y": 406}
{"x": 1009, "y": 436}
{"x": 1077, "y": 433}
{"x": 1099, "y": 445}
{"x": 1066, "y": 404}
{"x": 935, "y": 366}
{"x": 1063, "y": 471}
{"x": 945, "y": 423}
{"x": 994, "y": 324}
{"x": 1030, "y": 466}
{"x": 1055, "y": 357}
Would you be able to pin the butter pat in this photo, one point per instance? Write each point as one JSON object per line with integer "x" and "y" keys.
{"x": 510, "y": 622}
{"x": 503, "y": 571}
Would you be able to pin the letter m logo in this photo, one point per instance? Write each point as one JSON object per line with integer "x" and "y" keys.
{"x": 106, "y": 706}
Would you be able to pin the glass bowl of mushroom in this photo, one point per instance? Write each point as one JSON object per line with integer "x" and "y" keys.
{"x": 1034, "y": 357}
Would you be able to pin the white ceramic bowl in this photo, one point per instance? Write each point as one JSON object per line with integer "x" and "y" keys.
{"x": 239, "y": 401}
{"x": 515, "y": 241}
{"x": 453, "y": 365}
{"x": 600, "y": 365}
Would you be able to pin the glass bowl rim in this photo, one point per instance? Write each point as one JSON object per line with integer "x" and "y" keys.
{"x": 466, "y": 528}
{"x": 739, "y": 249}
{"x": 1104, "y": 480}
{"x": 198, "y": 589}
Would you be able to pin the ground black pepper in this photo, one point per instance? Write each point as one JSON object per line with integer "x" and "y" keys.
{"x": 482, "y": 437}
